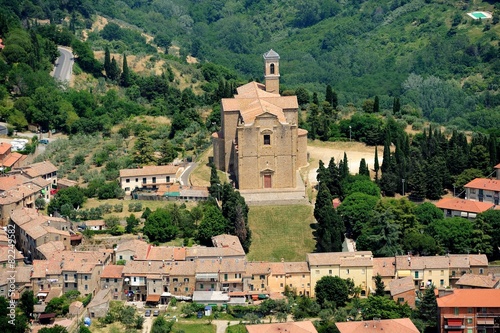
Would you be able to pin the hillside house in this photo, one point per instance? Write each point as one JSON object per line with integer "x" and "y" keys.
{"x": 149, "y": 177}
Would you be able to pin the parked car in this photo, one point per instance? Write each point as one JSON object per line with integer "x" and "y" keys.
{"x": 44, "y": 141}
{"x": 148, "y": 313}
{"x": 156, "y": 313}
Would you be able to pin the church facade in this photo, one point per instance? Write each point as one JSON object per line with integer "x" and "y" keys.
{"x": 260, "y": 144}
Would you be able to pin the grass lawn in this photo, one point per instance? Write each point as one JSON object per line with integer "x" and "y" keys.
{"x": 194, "y": 328}
{"x": 201, "y": 175}
{"x": 281, "y": 232}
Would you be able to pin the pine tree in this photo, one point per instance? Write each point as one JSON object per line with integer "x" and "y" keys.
{"x": 125, "y": 73}
{"x": 107, "y": 62}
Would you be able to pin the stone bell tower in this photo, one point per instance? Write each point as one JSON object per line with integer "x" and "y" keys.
{"x": 272, "y": 71}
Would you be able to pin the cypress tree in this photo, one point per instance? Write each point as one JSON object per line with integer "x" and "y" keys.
{"x": 215, "y": 187}
{"x": 396, "y": 107}
{"x": 428, "y": 309}
{"x": 379, "y": 286}
{"x": 344, "y": 167}
{"x": 329, "y": 95}
{"x": 333, "y": 180}
{"x": 315, "y": 99}
{"x": 125, "y": 72}
{"x": 363, "y": 168}
{"x": 329, "y": 228}
{"x": 376, "y": 165}
{"x": 114, "y": 72}
{"x": 387, "y": 156}
{"x": 376, "y": 105}
{"x": 107, "y": 62}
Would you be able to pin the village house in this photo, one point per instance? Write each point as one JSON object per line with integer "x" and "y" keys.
{"x": 33, "y": 229}
{"x": 112, "y": 279}
{"x": 18, "y": 276}
{"x": 69, "y": 270}
{"x": 456, "y": 207}
{"x": 425, "y": 271}
{"x": 386, "y": 268}
{"x": 9, "y": 159}
{"x": 461, "y": 264}
{"x": 17, "y": 196}
{"x": 256, "y": 279}
{"x": 149, "y": 177}
{"x": 403, "y": 291}
{"x": 45, "y": 170}
{"x": 468, "y": 310}
{"x": 260, "y": 143}
{"x": 474, "y": 281}
{"x": 357, "y": 266}
{"x": 484, "y": 189}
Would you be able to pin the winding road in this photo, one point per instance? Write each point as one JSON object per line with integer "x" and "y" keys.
{"x": 64, "y": 65}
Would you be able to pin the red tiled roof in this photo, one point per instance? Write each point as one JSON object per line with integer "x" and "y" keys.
{"x": 403, "y": 325}
{"x": 471, "y": 298}
{"x": 4, "y": 146}
{"x": 296, "y": 327}
{"x": 112, "y": 272}
{"x": 150, "y": 170}
{"x": 484, "y": 184}
{"x": 13, "y": 159}
{"x": 479, "y": 281}
{"x": 384, "y": 266}
{"x": 462, "y": 205}
{"x": 497, "y": 166}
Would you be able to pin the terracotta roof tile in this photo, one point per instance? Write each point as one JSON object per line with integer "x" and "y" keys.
{"x": 403, "y": 325}
{"x": 295, "y": 327}
{"x": 296, "y": 267}
{"x": 277, "y": 268}
{"x": 38, "y": 169}
{"x": 49, "y": 248}
{"x": 252, "y": 100}
{"x": 487, "y": 298}
{"x": 386, "y": 267}
{"x": 10, "y": 181}
{"x": 478, "y": 281}
{"x": 112, "y": 272}
{"x": 13, "y": 158}
{"x": 334, "y": 258}
{"x": 4, "y": 147}
{"x": 258, "y": 268}
{"x": 462, "y": 205}
{"x": 181, "y": 268}
{"x": 484, "y": 184}
{"x": 398, "y": 286}
{"x": 150, "y": 170}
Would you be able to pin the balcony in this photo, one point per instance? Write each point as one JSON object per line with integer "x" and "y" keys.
{"x": 487, "y": 315}
{"x": 453, "y": 327}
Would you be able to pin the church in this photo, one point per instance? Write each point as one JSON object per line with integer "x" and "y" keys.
{"x": 260, "y": 144}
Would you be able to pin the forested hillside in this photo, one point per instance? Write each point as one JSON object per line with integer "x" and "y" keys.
{"x": 430, "y": 53}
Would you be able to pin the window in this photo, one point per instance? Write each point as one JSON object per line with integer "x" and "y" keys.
{"x": 135, "y": 279}
{"x": 65, "y": 276}
{"x": 281, "y": 285}
{"x": 329, "y": 272}
{"x": 442, "y": 272}
{"x": 144, "y": 180}
{"x": 136, "y": 180}
{"x": 262, "y": 277}
{"x": 175, "y": 280}
{"x": 469, "y": 310}
{"x": 481, "y": 271}
{"x": 453, "y": 273}
{"x": 441, "y": 282}
{"x": 272, "y": 69}
{"x": 116, "y": 280}
{"x": 267, "y": 139}
{"x": 416, "y": 275}
{"x": 469, "y": 320}
{"x": 401, "y": 300}
{"x": 212, "y": 286}
{"x": 225, "y": 277}
{"x": 107, "y": 280}
{"x": 75, "y": 285}
{"x": 121, "y": 257}
{"x": 457, "y": 311}
{"x": 262, "y": 286}
{"x": 168, "y": 179}
{"x": 175, "y": 289}
{"x": 201, "y": 286}
{"x": 86, "y": 287}
{"x": 186, "y": 279}
{"x": 347, "y": 271}
{"x": 66, "y": 285}
{"x": 154, "y": 180}
{"x": 127, "y": 180}
{"x": 86, "y": 277}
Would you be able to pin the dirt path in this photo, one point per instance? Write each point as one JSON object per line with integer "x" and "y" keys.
{"x": 355, "y": 152}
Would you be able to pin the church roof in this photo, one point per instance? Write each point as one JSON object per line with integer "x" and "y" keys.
{"x": 252, "y": 100}
{"x": 271, "y": 54}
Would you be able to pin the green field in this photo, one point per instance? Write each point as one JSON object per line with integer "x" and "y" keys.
{"x": 194, "y": 328}
{"x": 281, "y": 232}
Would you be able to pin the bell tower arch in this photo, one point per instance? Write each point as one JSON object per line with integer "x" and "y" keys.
{"x": 272, "y": 71}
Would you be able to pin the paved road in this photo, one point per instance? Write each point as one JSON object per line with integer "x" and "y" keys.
{"x": 3, "y": 129}
{"x": 185, "y": 174}
{"x": 64, "y": 65}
